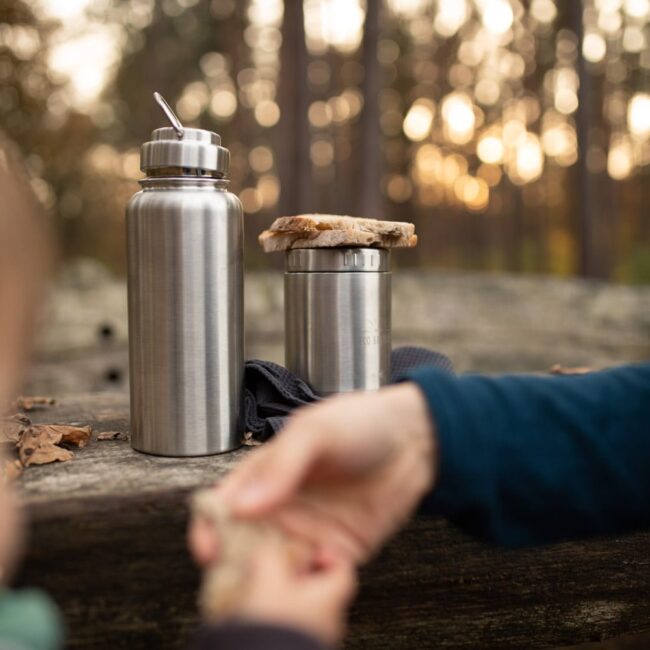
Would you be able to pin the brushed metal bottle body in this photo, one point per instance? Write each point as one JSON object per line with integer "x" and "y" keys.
{"x": 186, "y": 337}
{"x": 337, "y": 318}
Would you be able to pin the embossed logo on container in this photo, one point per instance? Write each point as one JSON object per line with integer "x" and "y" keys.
{"x": 372, "y": 334}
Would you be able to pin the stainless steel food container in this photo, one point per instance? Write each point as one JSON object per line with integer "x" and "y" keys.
{"x": 337, "y": 317}
{"x": 185, "y": 289}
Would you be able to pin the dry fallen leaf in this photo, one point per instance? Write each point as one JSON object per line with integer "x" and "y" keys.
{"x": 112, "y": 435}
{"x": 558, "y": 369}
{"x": 13, "y": 427}
{"x": 249, "y": 440}
{"x": 65, "y": 434}
{"x": 24, "y": 403}
{"x": 36, "y": 447}
{"x": 38, "y": 444}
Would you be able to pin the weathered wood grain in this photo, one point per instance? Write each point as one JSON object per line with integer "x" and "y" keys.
{"x": 111, "y": 469}
{"x": 108, "y": 542}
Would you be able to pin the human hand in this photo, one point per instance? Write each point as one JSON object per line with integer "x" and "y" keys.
{"x": 24, "y": 265}
{"x": 344, "y": 474}
{"x": 11, "y": 532}
{"x": 314, "y": 602}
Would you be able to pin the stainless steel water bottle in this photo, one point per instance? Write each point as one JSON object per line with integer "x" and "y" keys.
{"x": 185, "y": 286}
{"x": 337, "y": 317}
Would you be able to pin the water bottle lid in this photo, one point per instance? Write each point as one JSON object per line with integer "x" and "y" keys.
{"x": 181, "y": 147}
{"x": 337, "y": 260}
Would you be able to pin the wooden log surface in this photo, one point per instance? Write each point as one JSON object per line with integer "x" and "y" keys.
{"x": 108, "y": 543}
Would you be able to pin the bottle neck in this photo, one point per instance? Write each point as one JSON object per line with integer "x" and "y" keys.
{"x": 190, "y": 172}
{"x": 176, "y": 177}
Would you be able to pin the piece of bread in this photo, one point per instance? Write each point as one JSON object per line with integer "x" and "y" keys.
{"x": 319, "y": 222}
{"x": 226, "y": 582}
{"x": 281, "y": 241}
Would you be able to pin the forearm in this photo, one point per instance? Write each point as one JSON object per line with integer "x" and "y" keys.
{"x": 525, "y": 460}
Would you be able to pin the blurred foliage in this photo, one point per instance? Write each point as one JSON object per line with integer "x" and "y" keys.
{"x": 55, "y": 139}
{"x": 492, "y": 181}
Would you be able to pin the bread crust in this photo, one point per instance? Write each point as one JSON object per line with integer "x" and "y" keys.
{"x": 321, "y": 222}
{"x": 281, "y": 241}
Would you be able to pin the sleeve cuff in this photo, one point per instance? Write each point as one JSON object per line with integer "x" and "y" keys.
{"x": 444, "y": 394}
{"x": 253, "y": 636}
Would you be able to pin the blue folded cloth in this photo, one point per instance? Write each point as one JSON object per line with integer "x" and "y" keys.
{"x": 271, "y": 392}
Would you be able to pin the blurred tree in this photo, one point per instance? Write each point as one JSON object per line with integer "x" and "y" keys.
{"x": 54, "y": 139}
{"x": 25, "y": 83}
{"x": 514, "y": 134}
{"x": 199, "y": 58}
{"x": 167, "y": 55}
{"x": 293, "y": 141}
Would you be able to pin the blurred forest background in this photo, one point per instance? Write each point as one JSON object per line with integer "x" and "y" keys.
{"x": 515, "y": 134}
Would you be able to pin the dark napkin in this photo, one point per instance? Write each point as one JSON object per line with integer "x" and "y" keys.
{"x": 271, "y": 392}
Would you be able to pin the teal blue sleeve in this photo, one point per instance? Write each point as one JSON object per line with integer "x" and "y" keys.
{"x": 29, "y": 620}
{"x": 527, "y": 460}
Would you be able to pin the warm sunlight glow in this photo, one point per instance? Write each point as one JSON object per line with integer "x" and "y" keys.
{"x": 619, "y": 159}
{"x": 458, "y": 114}
{"x": 490, "y": 149}
{"x": 594, "y": 47}
{"x": 451, "y": 16}
{"x": 334, "y": 23}
{"x": 65, "y": 9}
{"x": 638, "y": 115}
{"x": 497, "y": 16}
{"x": 418, "y": 121}
{"x": 529, "y": 160}
{"x": 83, "y": 52}
{"x": 87, "y": 61}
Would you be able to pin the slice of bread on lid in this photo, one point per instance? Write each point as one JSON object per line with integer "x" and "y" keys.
{"x": 281, "y": 241}
{"x": 332, "y": 231}
{"x": 319, "y": 222}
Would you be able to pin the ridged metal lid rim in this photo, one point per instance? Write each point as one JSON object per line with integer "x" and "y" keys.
{"x": 337, "y": 260}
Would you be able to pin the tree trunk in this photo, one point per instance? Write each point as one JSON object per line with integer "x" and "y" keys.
{"x": 592, "y": 258}
{"x": 370, "y": 199}
{"x": 293, "y": 145}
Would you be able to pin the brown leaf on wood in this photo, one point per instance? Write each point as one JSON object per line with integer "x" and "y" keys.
{"x": 558, "y": 369}
{"x": 25, "y": 403}
{"x": 112, "y": 435}
{"x": 13, "y": 427}
{"x": 249, "y": 440}
{"x": 37, "y": 447}
{"x": 65, "y": 434}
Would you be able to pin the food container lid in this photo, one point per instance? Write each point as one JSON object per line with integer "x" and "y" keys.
{"x": 337, "y": 260}
{"x": 177, "y": 146}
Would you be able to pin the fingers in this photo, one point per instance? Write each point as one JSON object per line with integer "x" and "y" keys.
{"x": 329, "y": 592}
{"x": 321, "y": 531}
{"x": 272, "y": 474}
{"x": 202, "y": 541}
{"x": 316, "y": 445}
{"x": 333, "y": 584}
{"x": 338, "y": 580}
